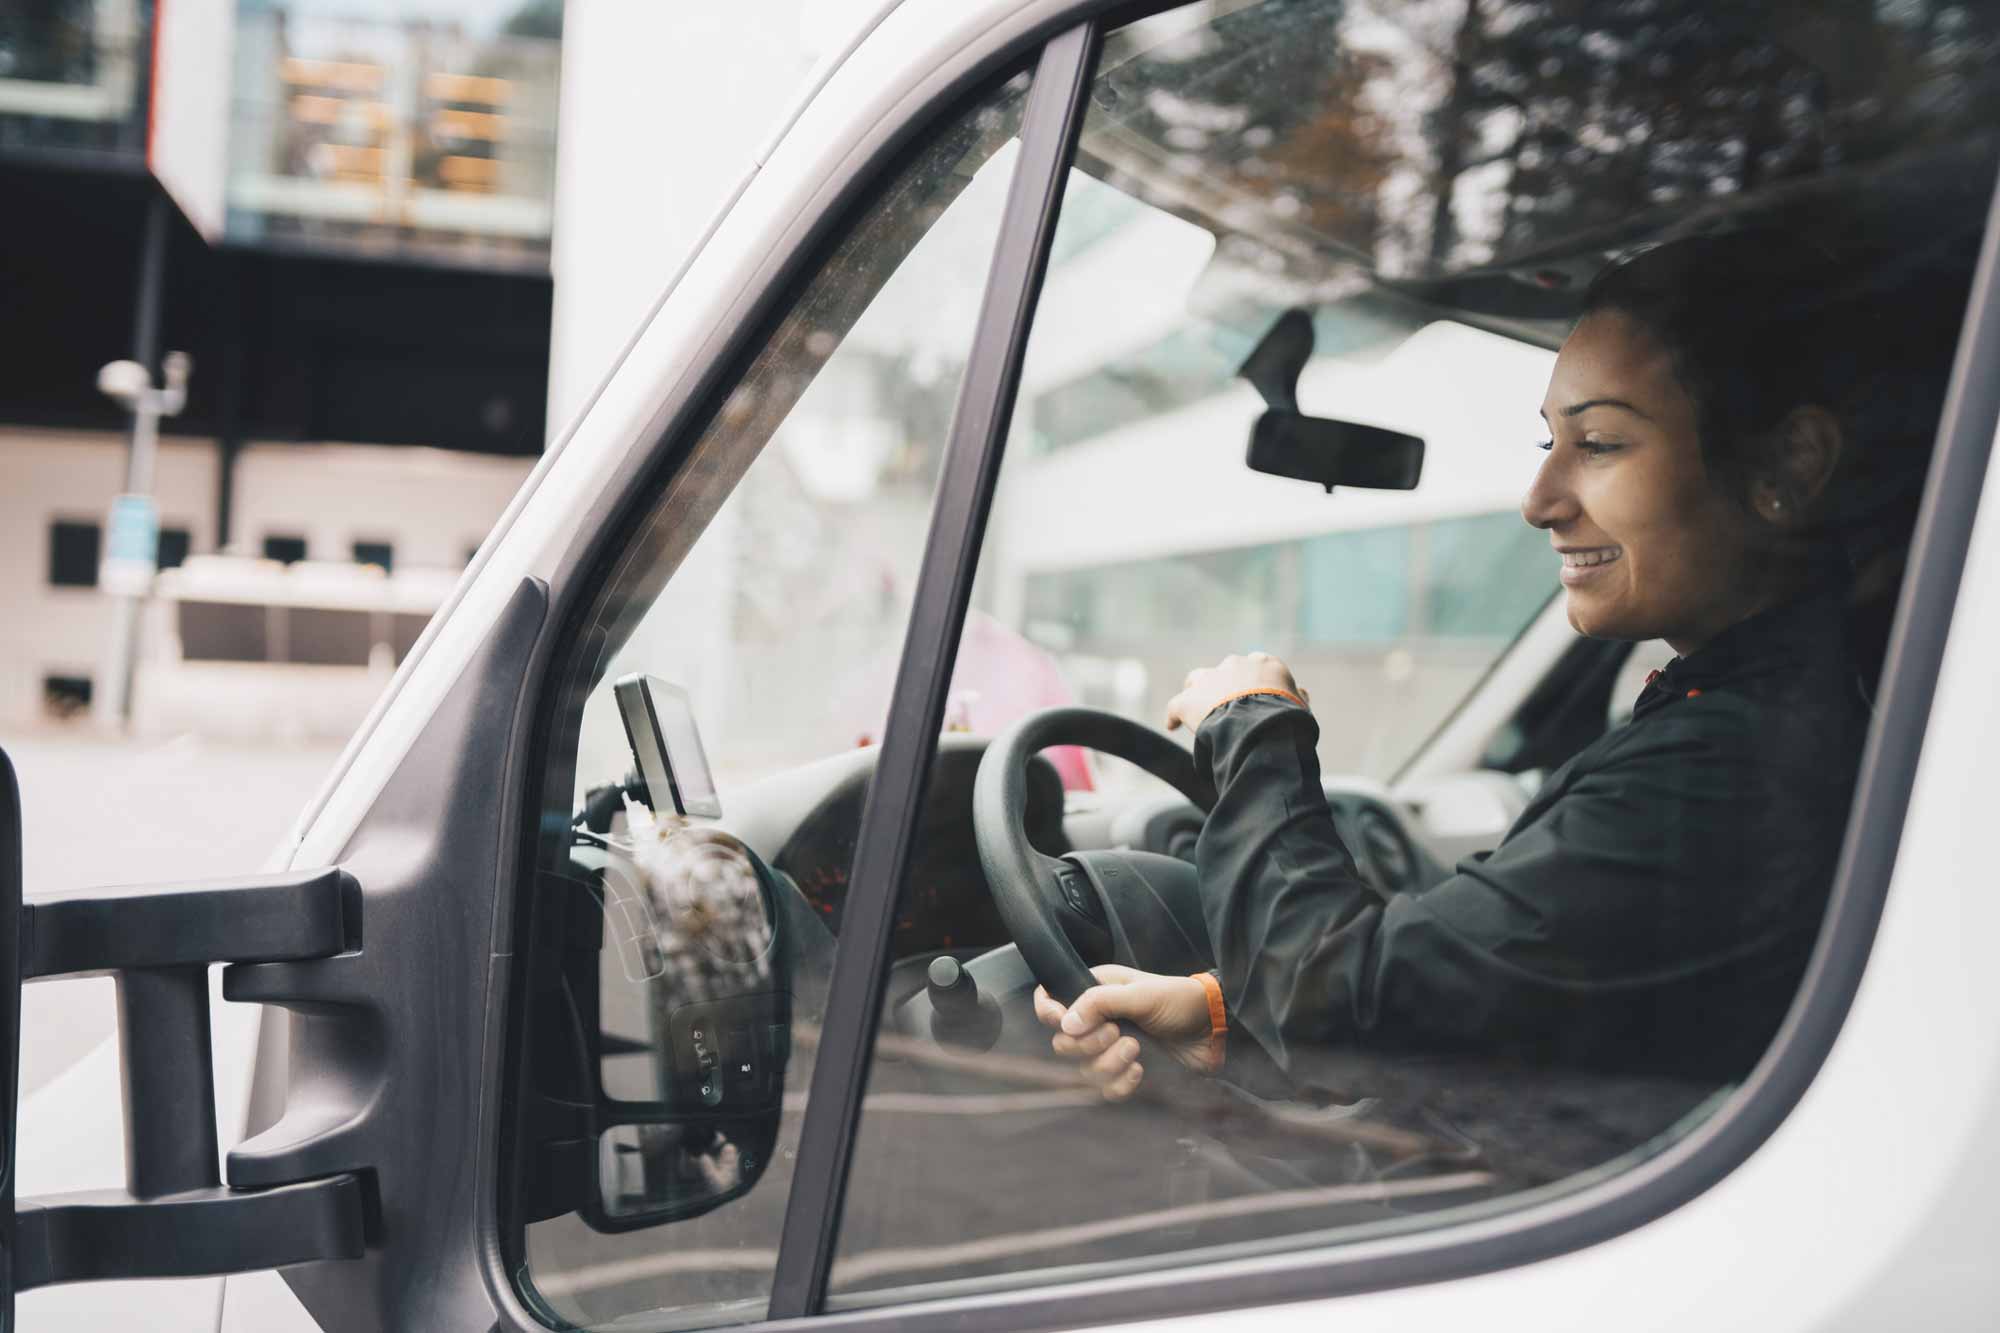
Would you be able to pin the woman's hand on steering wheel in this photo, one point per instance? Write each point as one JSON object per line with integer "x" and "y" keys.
{"x": 1206, "y": 687}
{"x": 1171, "y": 1010}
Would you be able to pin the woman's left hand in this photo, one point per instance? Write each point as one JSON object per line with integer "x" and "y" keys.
{"x": 1206, "y": 687}
{"x": 1172, "y": 1010}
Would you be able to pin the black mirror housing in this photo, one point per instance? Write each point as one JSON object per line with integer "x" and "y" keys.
{"x": 1287, "y": 443}
{"x": 1334, "y": 453}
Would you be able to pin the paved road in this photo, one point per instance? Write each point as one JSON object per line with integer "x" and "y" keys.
{"x": 102, "y": 810}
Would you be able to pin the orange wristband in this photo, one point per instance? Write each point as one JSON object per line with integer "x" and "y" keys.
{"x": 1268, "y": 689}
{"x": 1218, "y": 1013}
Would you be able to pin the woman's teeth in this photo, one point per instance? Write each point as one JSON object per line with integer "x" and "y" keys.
{"x": 1584, "y": 559}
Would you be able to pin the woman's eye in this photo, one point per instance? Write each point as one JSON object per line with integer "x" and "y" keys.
{"x": 1594, "y": 448}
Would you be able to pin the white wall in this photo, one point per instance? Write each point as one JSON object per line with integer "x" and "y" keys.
{"x": 432, "y": 506}
{"x": 50, "y": 475}
{"x": 186, "y": 148}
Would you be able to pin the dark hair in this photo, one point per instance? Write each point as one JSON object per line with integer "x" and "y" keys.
{"x": 1761, "y": 322}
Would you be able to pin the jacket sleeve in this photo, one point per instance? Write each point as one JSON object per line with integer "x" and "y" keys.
{"x": 1553, "y": 945}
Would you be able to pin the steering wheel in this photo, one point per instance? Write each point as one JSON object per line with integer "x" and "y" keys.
{"x": 1132, "y": 906}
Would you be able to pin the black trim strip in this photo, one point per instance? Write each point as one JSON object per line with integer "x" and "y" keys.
{"x": 1051, "y": 121}
{"x": 601, "y": 541}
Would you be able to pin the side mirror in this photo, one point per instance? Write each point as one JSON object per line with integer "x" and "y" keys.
{"x": 658, "y": 1082}
{"x": 1287, "y": 443}
{"x": 678, "y": 970}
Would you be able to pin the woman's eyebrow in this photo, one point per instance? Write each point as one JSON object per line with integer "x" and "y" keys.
{"x": 1575, "y": 409}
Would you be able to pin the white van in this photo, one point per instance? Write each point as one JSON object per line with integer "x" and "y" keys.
{"x": 661, "y": 953}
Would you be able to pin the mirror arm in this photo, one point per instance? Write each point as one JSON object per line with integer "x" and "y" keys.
{"x": 175, "y": 1218}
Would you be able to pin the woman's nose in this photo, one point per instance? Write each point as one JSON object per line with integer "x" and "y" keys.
{"x": 1549, "y": 502}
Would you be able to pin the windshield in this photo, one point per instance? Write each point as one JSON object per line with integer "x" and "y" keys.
{"x": 1129, "y": 543}
{"x": 1235, "y": 165}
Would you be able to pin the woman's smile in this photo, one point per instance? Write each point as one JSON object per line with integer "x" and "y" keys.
{"x": 1583, "y": 563}
{"x": 1652, "y": 545}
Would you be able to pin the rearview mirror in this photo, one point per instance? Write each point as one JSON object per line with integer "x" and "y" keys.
{"x": 1334, "y": 453}
{"x": 1287, "y": 443}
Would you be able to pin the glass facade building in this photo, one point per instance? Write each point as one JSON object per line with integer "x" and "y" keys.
{"x": 430, "y": 136}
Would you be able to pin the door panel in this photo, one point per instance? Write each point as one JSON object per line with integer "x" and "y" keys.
{"x": 389, "y": 1039}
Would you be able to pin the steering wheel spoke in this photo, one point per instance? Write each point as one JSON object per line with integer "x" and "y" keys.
{"x": 1052, "y": 907}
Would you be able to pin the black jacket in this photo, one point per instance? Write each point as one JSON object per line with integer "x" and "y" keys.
{"x": 1649, "y": 913}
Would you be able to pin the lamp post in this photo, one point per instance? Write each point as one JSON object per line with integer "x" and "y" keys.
{"x": 132, "y": 537}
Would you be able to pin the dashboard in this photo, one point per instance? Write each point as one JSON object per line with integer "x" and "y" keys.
{"x": 945, "y": 907}
{"x": 811, "y": 816}
{"x": 696, "y": 971}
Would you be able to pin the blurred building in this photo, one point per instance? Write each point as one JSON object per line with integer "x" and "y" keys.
{"x": 342, "y": 210}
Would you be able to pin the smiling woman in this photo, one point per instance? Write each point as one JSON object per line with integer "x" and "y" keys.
{"x": 1716, "y": 478}
{"x": 1717, "y": 444}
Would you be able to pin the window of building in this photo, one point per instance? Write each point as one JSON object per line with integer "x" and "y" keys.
{"x": 446, "y": 127}
{"x": 381, "y": 554}
{"x": 74, "y": 549}
{"x": 65, "y": 695}
{"x": 1400, "y": 619}
{"x": 72, "y": 77}
{"x": 285, "y": 548}
{"x": 175, "y": 544}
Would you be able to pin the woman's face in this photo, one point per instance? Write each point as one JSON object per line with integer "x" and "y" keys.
{"x": 1651, "y": 546}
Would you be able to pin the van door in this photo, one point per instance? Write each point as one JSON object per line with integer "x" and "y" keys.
{"x": 374, "y": 1187}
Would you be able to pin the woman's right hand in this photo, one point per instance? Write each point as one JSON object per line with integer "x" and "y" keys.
{"x": 1205, "y": 688}
{"x": 1171, "y": 1010}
